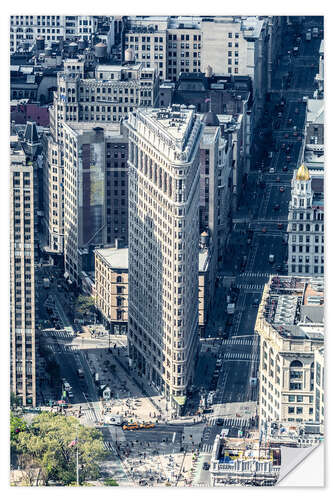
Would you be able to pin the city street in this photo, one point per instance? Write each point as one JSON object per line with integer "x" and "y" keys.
{"x": 227, "y": 369}
{"x": 263, "y": 211}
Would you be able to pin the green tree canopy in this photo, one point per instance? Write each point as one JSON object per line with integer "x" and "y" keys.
{"x": 110, "y": 482}
{"x": 46, "y": 441}
{"x": 17, "y": 425}
{"x": 84, "y": 305}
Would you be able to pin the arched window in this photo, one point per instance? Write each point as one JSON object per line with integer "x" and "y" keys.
{"x": 296, "y": 375}
{"x": 119, "y": 279}
{"x": 296, "y": 362}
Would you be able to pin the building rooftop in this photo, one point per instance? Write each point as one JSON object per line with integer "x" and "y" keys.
{"x": 315, "y": 111}
{"x": 115, "y": 258}
{"x": 294, "y": 306}
{"x": 176, "y": 129}
{"x": 209, "y": 134}
{"x": 314, "y": 157}
{"x": 171, "y": 120}
{"x": 110, "y": 129}
{"x": 17, "y": 154}
{"x": 119, "y": 67}
{"x": 203, "y": 260}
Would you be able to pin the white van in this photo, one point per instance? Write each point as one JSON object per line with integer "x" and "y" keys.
{"x": 272, "y": 170}
{"x": 271, "y": 259}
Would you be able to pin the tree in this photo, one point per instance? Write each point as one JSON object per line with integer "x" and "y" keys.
{"x": 47, "y": 443}
{"x": 110, "y": 482}
{"x": 84, "y": 305}
{"x": 17, "y": 425}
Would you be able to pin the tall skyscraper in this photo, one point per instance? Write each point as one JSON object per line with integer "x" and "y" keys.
{"x": 22, "y": 276}
{"x": 95, "y": 192}
{"x": 163, "y": 247}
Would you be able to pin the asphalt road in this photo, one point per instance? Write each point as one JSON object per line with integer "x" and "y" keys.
{"x": 240, "y": 352}
{"x": 262, "y": 209}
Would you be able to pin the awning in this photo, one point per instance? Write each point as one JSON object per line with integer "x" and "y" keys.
{"x": 180, "y": 400}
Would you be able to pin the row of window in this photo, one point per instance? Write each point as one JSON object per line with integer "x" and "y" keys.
{"x": 308, "y": 227}
{"x": 306, "y": 249}
{"x": 306, "y": 269}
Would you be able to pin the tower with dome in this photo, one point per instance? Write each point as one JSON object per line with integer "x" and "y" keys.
{"x": 306, "y": 223}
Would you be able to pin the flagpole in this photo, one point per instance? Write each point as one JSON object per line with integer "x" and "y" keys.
{"x": 77, "y": 460}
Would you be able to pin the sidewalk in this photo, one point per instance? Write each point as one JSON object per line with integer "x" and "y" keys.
{"x": 127, "y": 397}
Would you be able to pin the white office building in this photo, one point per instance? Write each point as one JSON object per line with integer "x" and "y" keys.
{"x": 306, "y": 223}
{"x": 164, "y": 247}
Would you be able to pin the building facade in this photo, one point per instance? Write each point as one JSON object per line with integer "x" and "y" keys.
{"x": 215, "y": 184}
{"x": 111, "y": 287}
{"x": 291, "y": 330}
{"x": 318, "y": 399}
{"x": 163, "y": 247}
{"x": 25, "y": 29}
{"x": 238, "y": 46}
{"x": 149, "y": 46}
{"x": 100, "y": 101}
{"x": 107, "y": 96}
{"x": 22, "y": 275}
{"x": 95, "y": 192}
{"x": 306, "y": 223}
{"x": 243, "y": 462}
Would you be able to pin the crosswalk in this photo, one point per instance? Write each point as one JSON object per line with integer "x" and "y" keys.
{"x": 231, "y": 422}
{"x": 237, "y": 341}
{"x": 207, "y": 447}
{"x": 92, "y": 414}
{"x": 256, "y": 275}
{"x": 59, "y": 348}
{"x": 71, "y": 348}
{"x": 251, "y": 286}
{"x": 240, "y": 356}
{"x": 108, "y": 446}
{"x": 60, "y": 334}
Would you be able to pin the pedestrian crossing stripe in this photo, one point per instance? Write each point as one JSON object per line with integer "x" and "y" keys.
{"x": 234, "y": 340}
{"x": 231, "y": 422}
{"x": 62, "y": 334}
{"x": 240, "y": 355}
{"x": 256, "y": 275}
{"x": 251, "y": 286}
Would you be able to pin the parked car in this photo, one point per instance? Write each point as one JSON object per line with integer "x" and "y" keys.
{"x": 206, "y": 466}
{"x": 281, "y": 189}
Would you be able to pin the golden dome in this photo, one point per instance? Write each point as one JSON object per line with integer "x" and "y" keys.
{"x": 303, "y": 173}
